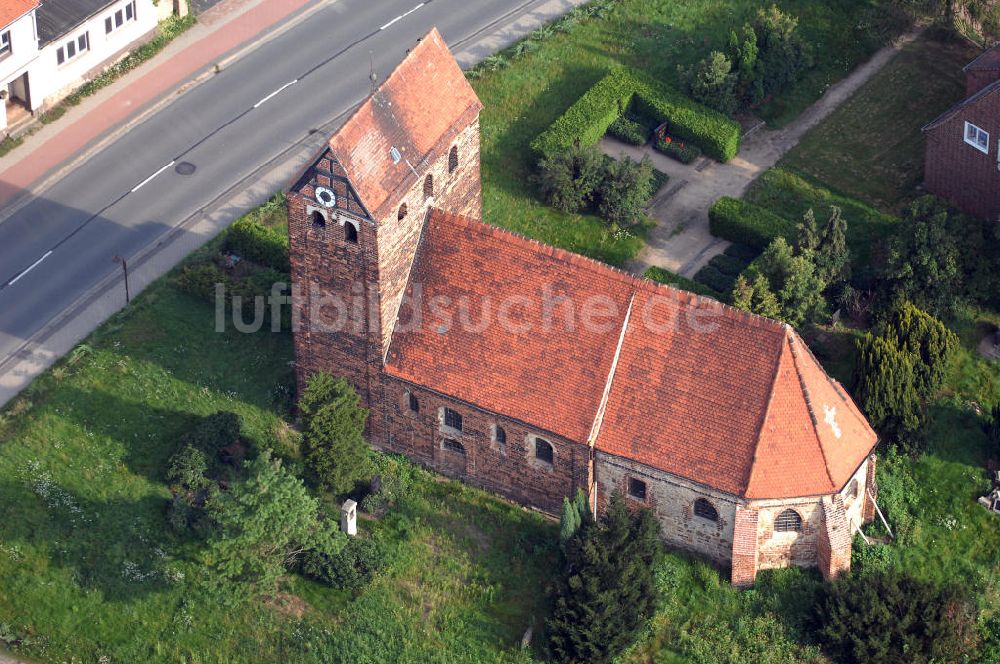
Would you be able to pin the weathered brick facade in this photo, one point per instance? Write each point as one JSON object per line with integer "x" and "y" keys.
{"x": 964, "y": 174}
{"x": 383, "y": 212}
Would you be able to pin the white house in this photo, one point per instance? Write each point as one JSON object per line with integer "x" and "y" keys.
{"x": 49, "y": 47}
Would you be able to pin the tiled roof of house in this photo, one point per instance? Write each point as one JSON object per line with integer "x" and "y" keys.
{"x": 422, "y": 102}
{"x": 57, "y": 17}
{"x": 699, "y": 389}
{"x": 11, "y": 10}
{"x": 987, "y": 60}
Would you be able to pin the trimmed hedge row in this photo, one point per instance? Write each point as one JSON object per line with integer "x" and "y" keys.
{"x": 714, "y": 279}
{"x": 590, "y": 116}
{"x": 746, "y": 223}
{"x": 659, "y": 275}
{"x": 682, "y": 152}
{"x": 628, "y": 130}
{"x": 728, "y": 264}
{"x": 259, "y": 244}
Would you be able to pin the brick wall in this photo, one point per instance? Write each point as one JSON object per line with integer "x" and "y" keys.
{"x": 458, "y": 192}
{"x": 510, "y": 470}
{"x": 672, "y": 500}
{"x": 868, "y": 511}
{"x": 745, "y": 554}
{"x": 833, "y": 547}
{"x": 957, "y": 171}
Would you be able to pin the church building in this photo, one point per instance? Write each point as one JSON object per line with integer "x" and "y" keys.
{"x": 532, "y": 372}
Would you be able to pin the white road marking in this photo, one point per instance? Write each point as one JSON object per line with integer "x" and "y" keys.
{"x": 401, "y": 16}
{"x": 146, "y": 181}
{"x": 290, "y": 83}
{"x": 30, "y": 268}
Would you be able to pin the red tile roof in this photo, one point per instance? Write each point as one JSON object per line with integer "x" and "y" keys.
{"x": 418, "y": 106}
{"x": 11, "y": 10}
{"x": 700, "y": 390}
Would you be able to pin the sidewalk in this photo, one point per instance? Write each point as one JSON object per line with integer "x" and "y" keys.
{"x": 681, "y": 242}
{"x": 218, "y": 31}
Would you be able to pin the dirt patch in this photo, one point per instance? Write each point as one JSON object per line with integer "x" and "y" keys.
{"x": 287, "y": 604}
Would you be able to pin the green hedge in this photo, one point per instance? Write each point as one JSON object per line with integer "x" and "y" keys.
{"x": 728, "y": 264}
{"x": 589, "y": 118}
{"x": 746, "y": 223}
{"x": 659, "y": 275}
{"x": 682, "y": 152}
{"x": 629, "y": 131}
{"x": 258, "y": 243}
{"x": 714, "y": 279}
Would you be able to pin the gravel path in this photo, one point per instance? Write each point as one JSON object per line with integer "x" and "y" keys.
{"x": 681, "y": 242}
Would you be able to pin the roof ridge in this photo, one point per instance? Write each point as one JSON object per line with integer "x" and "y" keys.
{"x": 764, "y": 414}
{"x": 595, "y": 430}
{"x": 791, "y": 338}
{"x": 409, "y": 278}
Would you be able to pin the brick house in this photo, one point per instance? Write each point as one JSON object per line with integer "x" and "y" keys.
{"x": 532, "y": 372}
{"x": 962, "y": 158}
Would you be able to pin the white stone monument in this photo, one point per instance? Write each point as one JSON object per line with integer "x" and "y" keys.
{"x": 349, "y": 517}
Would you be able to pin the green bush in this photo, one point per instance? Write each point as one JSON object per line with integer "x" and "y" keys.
{"x": 567, "y": 179}
{"x": 679, "y": 150}
{"x": 712, "y": 82}
{"x": 629, "y": 131}
{"x": 714, "y": 279}
{"x": 746, "y": 223}
{"x": 659, "y": 275}
{"x": 199, "y": 279}
{"x": 625, "y": 190}
{"x": 589, "y": 118}
{"x": 351, "y": 568}
{"x": 892, "y": 617}
{"x": 213, "y": 433}
{"x": 744, "y": 252}
{"x": 258, "y": 243}
{"x": 336, "y": 453}
{"x": 187, "y": 468}
{"x": 728, "y": 265}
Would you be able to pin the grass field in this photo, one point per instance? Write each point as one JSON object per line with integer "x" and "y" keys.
{"x": 527, "y": 93}
{"x": 871, "y": 147}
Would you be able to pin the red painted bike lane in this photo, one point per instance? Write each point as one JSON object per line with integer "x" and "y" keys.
{"x": 166, "y": 72}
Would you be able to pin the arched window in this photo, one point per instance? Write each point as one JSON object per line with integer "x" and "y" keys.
{"x": 788, "y": 521}
{"x": 402, "y": 212}
{"x": 453, "y": 159}
{"x": 453, "y": 446}
{"x": 852, "y": 490}
{"x": 318, "y": 220}
{"x": 636, "y": 489}
{"x": 412, "y": 403}
{"x": 350, "y": 232}
{"x": 499, "y": 435}
{"x": 453, "y": 419}
{"x": 428, "y": 186}
{"x": 543, "y": 450}
{"x": 705, "y": 510}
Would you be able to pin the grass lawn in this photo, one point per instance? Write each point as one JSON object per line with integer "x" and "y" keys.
{"x": 527, "y": 93}
{"x": 871, "y": 147}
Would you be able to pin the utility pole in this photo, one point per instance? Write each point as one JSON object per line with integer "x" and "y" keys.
{"x": 121, "y": 261}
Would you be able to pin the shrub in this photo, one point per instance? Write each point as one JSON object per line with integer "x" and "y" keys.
{"x": 213, "y": 433}
{"x": 567, "y": 179}
{"x": 886, "y": 387}
{"x": 336, "y": 453}
{"x": 590, "y": 116}
{"x": 187, "y": 468}
{"x": 711, "y": 277}
{"x": 392, "y": 482}
{"x": 629, "y": 131}
{"x": 659, "y": 275}
{"x": 744, "y": 252}
{"x": 199, "y": 279}
{"x": 258, "y": 243}
{"x": 746, "y": 223}
{"x": 625, "y": 190}
{"x": 892, "y": 617}
{"x": 755, "y": 296}
{"x": 992, "y": 429}
{"x": 728, "y": 265}
{"x": 607, "y": 591}
{"x": 783, "y": 54}
{"x": 679, "y": 150}
{"x": 351, "y": 568}
{"x": 713, "y": 83}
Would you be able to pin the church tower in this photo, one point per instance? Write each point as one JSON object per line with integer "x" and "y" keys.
{"x": 357, "y": 212}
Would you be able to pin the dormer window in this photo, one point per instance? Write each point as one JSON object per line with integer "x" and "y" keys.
{"x": 428, "y": 186}
{"x": 453, "y": 159}
{"x": 350, "y": 232}
{"x": 977, "y": 138}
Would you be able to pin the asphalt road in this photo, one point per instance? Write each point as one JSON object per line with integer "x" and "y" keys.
{"x": 124, "y": 197}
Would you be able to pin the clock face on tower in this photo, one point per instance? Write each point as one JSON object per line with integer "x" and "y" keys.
{"x": 326, "y": 197}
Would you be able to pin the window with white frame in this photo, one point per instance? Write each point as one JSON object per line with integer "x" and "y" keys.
{"x": 73, "y": 48}
{"x": 4, "y": 43}
{"x": 119, "y": 18}
{"x": 977, "y": 138}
